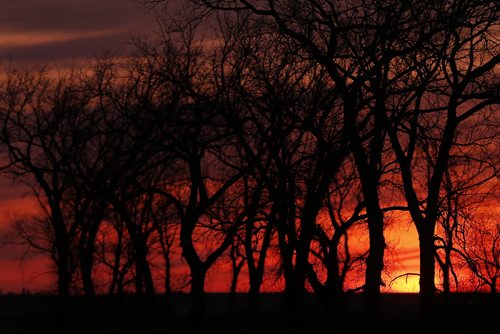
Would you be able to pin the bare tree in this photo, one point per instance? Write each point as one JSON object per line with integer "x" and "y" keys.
{"x": 114, "y": 252}
{"x": 467, "y": 187}
{"x": 459, "y": 68}
{"x": 344, "y": 41}
{"x": 194, "y": 138}
{"x": 331, "y": 246}
{"x": 479, "y": 245}
{"x": 36, "y": 135}
{"x": 120, "y": 163}
{"x": 166, "y": 226}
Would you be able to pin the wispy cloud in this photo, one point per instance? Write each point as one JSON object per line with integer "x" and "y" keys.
{"x": 40, "y": 31}
{"x": 24, "y": 39}
{"x": 74, "y": 15}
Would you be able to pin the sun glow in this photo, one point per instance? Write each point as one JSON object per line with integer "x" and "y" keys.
{"x": 404, "y": 282}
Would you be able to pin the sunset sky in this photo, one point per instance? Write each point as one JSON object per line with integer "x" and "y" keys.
{"x": 48, "y": 31}
{"x": 57, "y": 33}
{"x": 64, "y": 32}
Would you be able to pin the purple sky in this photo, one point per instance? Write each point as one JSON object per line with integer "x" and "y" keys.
{"x": 41, "y": 31}
{"x": 56, "y": 33}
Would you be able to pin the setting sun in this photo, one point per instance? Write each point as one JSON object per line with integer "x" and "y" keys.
{"x": 405, "y": 283}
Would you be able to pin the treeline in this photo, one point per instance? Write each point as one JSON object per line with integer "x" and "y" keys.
{"x": 279, "y": 129}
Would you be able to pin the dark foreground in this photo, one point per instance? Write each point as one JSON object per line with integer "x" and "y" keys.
{"x": 474, "y": 313}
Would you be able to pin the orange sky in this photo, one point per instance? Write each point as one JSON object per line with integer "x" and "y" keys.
{"x": 32, "y": 272}
{"x": 61, "y": 32}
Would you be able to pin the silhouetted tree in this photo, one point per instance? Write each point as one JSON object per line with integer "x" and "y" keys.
{"x": 466, "y": 187}
{"x": 369, "y": 46}
{"x": 449, "y": 222}
{"x": 37, "y": 123}
{"x": 344, "y": 41}
{"x": 166, "y": 227}
{"x": 244, "y": 115}
{"x": 114, "y": 252}
{"x": 121, "y": 163}
{"x": 205, "y": 174}
{"x": 332, "y": 240}
{"x": 453, "y": 86}
{"x": 280, "y": 127}
{"x": 479, "y": 245}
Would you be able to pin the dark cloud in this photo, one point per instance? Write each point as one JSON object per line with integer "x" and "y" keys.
{"x": 89, "y": 26}
{"x": 72, "y": 15}
{"x": 65, "y": 51}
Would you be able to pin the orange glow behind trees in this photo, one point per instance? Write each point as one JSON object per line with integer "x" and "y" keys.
{"x": 31, "y": 271}
{"x": 299, "y": 155}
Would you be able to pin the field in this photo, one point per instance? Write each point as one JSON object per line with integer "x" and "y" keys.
{"x": 45, "y": 314}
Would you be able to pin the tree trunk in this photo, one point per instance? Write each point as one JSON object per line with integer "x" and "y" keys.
{"x": 446, "y": 272}
{"x": 63, "y": 274}
{"x": 144, "y": 278}
{"x": 427, "y": 271}
{"x": 294, "y": 294}
{"x": 86, "y": 264}
{"x": 197, "y": 270}
{"x": 143, "y": 270}
{"x": 148, "y": 280}
{"x": 86, "y": 253}
{"x": 256, "y": 272}
{"x": 333, "y": 288}
{"x": 198, "y": 295}
{"x": 368, "y": 169}
{"x": 139, "y": 284}
{"x": 62, "y": 256}
{"x": 375, "y": 260}
{"x": 63, "y": 287}
{"x": 255, "y": 277}
{"x": 285, "y": 223}
{"x": 120, "y": 283}
{"x": 116, "y": 263}
{"x": 62, "y": 265}
{"x": 493, "y": 286}
{"x": 236, "y": 266}
{"x": 113, "y": 284}
{"x": 168, "y": 275}
{"x": 87, "y": 249}
{"x": 293, "y": 290}
{"x": 307, "y": 224}
{"x": 234, "y": 279}
{"x": 253, "y": 297}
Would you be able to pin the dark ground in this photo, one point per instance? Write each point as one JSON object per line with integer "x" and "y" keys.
{"x": 464, "y": 313}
